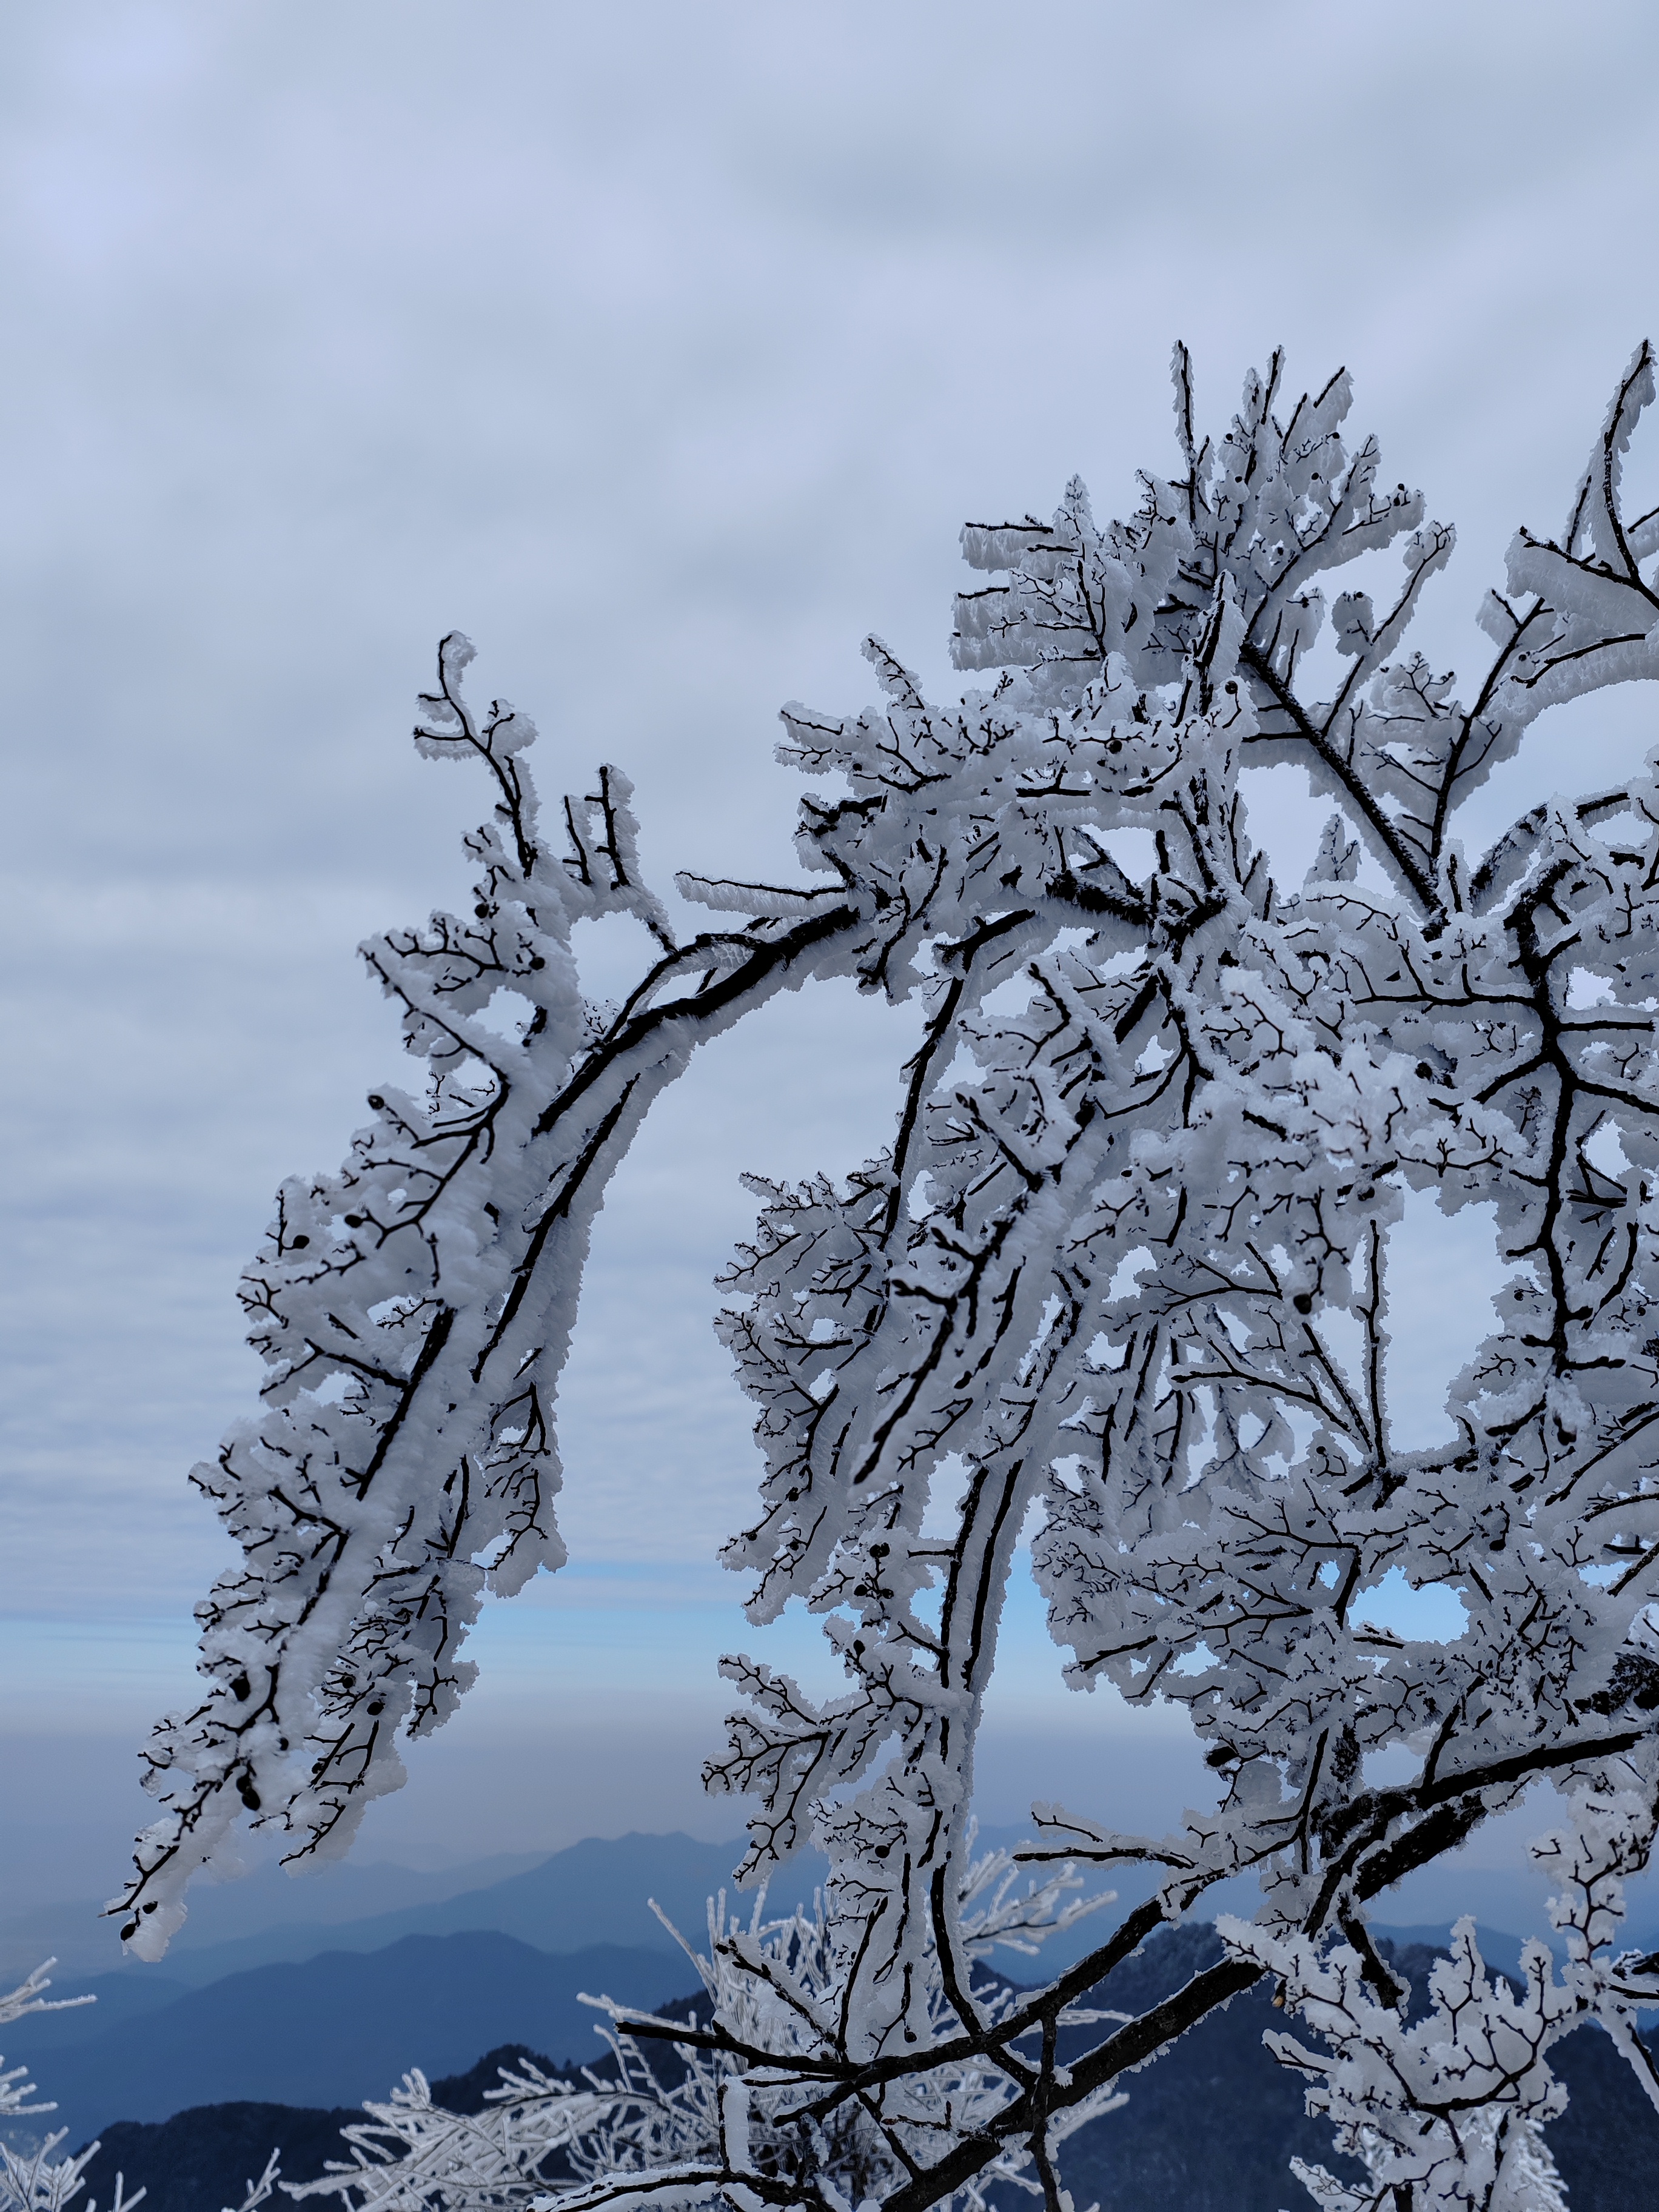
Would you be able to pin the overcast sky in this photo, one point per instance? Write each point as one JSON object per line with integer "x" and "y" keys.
{"x": 664, "y": 349}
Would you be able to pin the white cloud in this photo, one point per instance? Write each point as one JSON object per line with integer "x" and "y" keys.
{"x": 664, "y": 349}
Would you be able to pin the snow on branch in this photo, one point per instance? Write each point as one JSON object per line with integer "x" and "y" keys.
{"x": 414, "y": 1312}
{"x": 673, "y": 2119}
{"x": 38, "y": 2180}
{"x": 1128, "y": 1272}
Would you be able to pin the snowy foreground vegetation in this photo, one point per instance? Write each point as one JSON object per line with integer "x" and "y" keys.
{"x": 40, "y": 2180}
{"x": 1125, "y": 1272}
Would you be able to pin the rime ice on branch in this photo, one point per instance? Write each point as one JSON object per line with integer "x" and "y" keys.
{"x": 414, "y": 1312}
{"x": 640, "y": 2131}
{"x": 37, "y": 2179}
{"x": 1126, "y": 1262}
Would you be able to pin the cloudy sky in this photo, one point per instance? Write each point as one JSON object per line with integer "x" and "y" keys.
{"x": 663, "y": 347}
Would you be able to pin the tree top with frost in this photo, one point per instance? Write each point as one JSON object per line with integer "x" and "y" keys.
{"x": 1126, "y": 1266}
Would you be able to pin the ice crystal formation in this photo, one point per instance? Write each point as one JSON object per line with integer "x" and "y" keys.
{"x": 1126, "y": 1262}
{"x": 35, "y": 2179}
{"x": 691, "y": 2124}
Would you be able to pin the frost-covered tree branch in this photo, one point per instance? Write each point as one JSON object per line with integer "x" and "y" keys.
{"x": 418, "y": 1307}
{"x": 39, "y": 2180}
{"x": 743, "y": 2114}
{"x": 1126, "y": 1265}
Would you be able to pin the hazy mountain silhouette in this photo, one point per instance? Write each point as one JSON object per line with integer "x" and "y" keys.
{"x": 338, "y": 2028}
{"x": 85, "y": 1942}
{"x": 596, "y": 1892}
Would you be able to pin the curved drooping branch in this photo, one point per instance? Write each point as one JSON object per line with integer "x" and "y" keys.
{"x": 415, "y": 1313}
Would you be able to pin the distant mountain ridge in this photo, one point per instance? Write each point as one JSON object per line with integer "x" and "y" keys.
{"x": 593, "y": 1892}
{"x": 599, "y": 1891}
{"x": 76, "y": 1931}
{"x": 339, "y": 2028}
